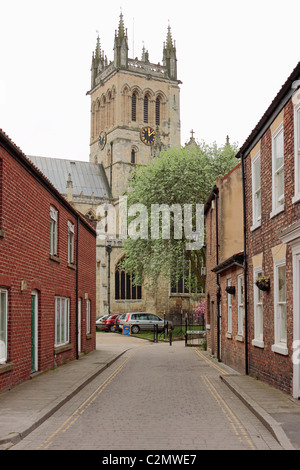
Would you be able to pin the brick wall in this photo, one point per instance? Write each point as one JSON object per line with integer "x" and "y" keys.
{"x": 274, "y": 368}
{"x": 211, "y": 279}
{"x": 25, "y": 266}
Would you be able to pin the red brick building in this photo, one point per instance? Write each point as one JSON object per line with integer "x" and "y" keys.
{"x": 270, "y": 159}
{"x": 225, "y": 322}
{"x": 47, "y": 272}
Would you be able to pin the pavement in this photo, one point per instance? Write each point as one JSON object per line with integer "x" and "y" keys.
{"x": 28, "y": 405}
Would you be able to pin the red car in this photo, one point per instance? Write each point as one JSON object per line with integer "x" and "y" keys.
{"x": 109, "y": 324}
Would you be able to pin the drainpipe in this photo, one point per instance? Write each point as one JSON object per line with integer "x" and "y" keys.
{"x": 215, "y": 192}
{"x": 111, "y": 165}
{"x": 245, "y": 269}
{"x": 109, "y": 250}
{"x": 77, "y": 283}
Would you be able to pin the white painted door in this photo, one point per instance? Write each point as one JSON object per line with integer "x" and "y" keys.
{"x": 296, "y": 320}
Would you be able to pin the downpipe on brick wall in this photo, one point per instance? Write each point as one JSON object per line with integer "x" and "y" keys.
{"x": 215, "y": 191}
{"x": 245, "y": 268}
{"x": 77, "y": 274}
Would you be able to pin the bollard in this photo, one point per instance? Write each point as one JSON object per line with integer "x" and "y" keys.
{"x": 155, "y": 330}
{"x": 170, "y": 336}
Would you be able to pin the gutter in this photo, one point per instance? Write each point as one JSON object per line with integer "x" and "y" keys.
{"x": 111, "y": 165}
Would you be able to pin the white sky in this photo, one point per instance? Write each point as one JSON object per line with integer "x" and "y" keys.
{"x": 233, "y": 57}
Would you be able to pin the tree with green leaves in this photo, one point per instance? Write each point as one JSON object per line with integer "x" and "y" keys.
{"x": 178, "y": 177}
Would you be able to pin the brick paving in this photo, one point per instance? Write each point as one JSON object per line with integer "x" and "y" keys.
{"x": 158, "y": 397}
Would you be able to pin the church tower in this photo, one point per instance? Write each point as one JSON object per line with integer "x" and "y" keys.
{"x": 135, "y": 108}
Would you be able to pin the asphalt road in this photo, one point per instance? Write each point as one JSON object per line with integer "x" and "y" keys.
{"x": 155, "y": 397}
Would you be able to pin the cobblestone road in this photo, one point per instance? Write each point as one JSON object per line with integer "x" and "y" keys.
{"x": 156, "y": 397}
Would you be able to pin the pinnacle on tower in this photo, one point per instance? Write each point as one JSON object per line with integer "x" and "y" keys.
{"x": 121, "y": 45}
{"x": 98, "y": 49}
{"x": 121, "y": 31}
{"x": 169, "y": 42}
{"x": 169, "y": 56}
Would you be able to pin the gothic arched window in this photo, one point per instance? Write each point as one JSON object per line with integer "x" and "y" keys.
{"x": 157, "y": 111}
{"x": 146, "y": 109}
{"x": 124, "y": 286}
{"x": 133, "y": 108}
{"x": 133, "y": 156}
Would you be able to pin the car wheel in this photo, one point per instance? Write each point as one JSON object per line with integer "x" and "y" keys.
{"x": 112, "y": 328}
{"x": 135, "y": 329}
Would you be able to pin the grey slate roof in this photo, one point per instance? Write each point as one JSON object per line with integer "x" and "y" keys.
{"x": 88, "y": 178}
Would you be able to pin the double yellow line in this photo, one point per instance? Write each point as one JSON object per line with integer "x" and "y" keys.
{"x": 211, "y": 363}
{"x": 238, "y": 428}
{"x": 236, "y": 425}
{"x": 83, "y": 407}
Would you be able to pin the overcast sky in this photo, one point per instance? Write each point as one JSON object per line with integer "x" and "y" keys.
{"x": 233, "y": 57}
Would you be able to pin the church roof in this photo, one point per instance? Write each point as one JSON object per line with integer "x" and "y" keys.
{"x": 88, "y": 179}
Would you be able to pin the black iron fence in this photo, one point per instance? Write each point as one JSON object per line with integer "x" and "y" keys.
{"x": 188, "y": 329}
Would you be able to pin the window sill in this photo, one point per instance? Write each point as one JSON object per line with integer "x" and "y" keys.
{"x": 296, "y": 198}
{"x": 208, "y": 326}
{"x": 280, "y": 349}
{"x": 72, "y": 266}
{"x": 63, "y": 348}
{"x": 177, "y": 294}
{"x": 255, "y": 226}
{"x": 240, "y": 338}
{"x": 258, "y": 343}
{"x": 277, "y": 211}
{"x": 8, "y": 367}
{"x": 228, "y": 335}
{"x": 55, "y": 258}
{"x": 89, "y": 336}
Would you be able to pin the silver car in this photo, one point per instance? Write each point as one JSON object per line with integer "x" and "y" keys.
{"x": 143, "y": 321}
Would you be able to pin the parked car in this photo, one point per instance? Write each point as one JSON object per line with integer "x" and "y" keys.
{"x": 143, "y": 321}
{"x": 109, "y": 323}
{"x": 100, "y": 320}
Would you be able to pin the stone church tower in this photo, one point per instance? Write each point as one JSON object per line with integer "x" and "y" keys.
{"x": 135, "y": 113}
{"x": 135, "y": 108}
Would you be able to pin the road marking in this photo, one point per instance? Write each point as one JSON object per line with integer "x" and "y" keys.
{"x": 237, "y": 426}
{"x": 224, "y": 372}
{"x": 84, "y": 406}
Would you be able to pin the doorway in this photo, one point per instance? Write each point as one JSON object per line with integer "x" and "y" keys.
{"x": 34, "y": 331}
{"x": 79, "y": 326}
{"x": 296, "y": 321}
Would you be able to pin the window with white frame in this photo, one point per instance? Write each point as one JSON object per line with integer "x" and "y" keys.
{"x": 53, "y": 230}
{"x": 3, "y": 325}
{"x": 280, "y": 320}
{"x": 62, "y": 321}
{"x": 240, "y": 305}
{"x": 256, "y": 190}
{"x": 258, "y": 309}
{"x": 229, "y": 309}
{"x": 70, "y": 242}
{"x": 88, "y": 317}
{"x": 278, "y": 170}
{"x": 297, "y": 150}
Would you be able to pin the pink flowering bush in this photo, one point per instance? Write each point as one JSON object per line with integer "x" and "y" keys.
{"x": 199, "y": 312}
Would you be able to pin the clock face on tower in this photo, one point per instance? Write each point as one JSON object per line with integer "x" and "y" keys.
{"x": 102, "y": 140}
{"x": 148, "y": 135}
